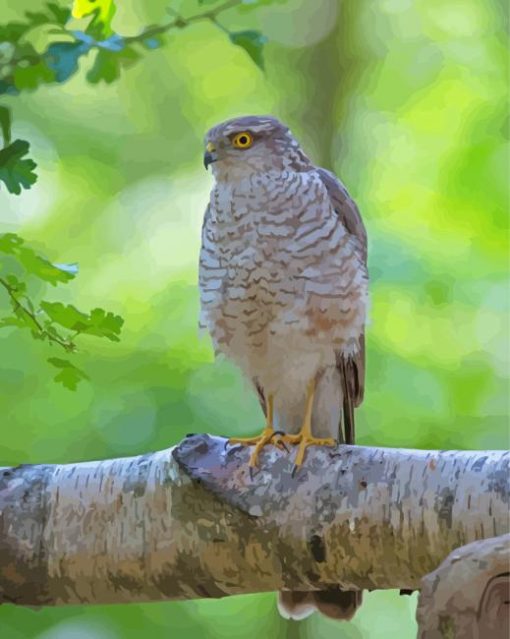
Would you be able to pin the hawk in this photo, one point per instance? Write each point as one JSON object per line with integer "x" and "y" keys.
{"x": 283, "y": 290}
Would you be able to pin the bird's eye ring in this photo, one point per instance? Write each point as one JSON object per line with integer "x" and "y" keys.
{"x": 243, "y": 140}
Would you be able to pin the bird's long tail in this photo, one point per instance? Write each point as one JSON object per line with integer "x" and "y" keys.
{"x": 334, "y": 602}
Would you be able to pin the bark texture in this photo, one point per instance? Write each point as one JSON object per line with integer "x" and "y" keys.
{"x": 189, "y": 522}
{"x": 468, "y": 596}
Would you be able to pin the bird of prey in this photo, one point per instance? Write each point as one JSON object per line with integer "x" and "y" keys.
{"x": 283, "y": 288}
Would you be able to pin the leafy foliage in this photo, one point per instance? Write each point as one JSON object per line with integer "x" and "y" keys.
{"x": 24, "y": 66}
{"x": 43, "y": 49}
{"x": 33, "y": 263}
{"x": 15, "y": 172}
{"x": 108, "y": 64}
{"x": 51, "y": 322}
{"x": 98, "y": 322}
{"x": 68, "y": 375}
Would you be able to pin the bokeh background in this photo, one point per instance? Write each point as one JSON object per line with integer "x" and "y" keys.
{"x": 407, "y": 101}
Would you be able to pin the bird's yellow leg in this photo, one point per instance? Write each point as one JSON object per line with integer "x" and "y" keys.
{"x": 305, "y": 438}
{"x": 266, "y": 437}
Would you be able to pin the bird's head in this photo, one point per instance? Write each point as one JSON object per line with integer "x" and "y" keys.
{"x": 252, "y": 144}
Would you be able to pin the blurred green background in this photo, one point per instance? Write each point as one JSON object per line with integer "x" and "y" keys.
{"x": 407, "y": 101}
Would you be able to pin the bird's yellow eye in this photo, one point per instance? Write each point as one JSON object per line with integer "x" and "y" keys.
{"x": 243, "y": 140}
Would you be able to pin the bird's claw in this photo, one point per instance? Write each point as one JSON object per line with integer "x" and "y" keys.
{"x": 278, "y": 441}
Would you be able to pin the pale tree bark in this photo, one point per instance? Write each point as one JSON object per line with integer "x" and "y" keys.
{"x": 468, "y": 596}
{"x": 189, "y": 522}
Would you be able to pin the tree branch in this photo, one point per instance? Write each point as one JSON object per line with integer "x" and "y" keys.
{"x": 52, "y": 337}
{"x": 180, "y": 22}
{"x": 189, "y": 522}
{"x": 468, "y": 595}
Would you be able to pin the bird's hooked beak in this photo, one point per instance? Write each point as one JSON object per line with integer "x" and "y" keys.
{"x": 210, "y": 155}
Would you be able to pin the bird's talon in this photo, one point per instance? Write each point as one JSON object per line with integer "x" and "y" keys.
{"x": 231, "y": 451}
{"x": 277, "y": 440}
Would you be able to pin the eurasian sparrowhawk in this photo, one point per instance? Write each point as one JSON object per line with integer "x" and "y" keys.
{"x": 283, "y": 284}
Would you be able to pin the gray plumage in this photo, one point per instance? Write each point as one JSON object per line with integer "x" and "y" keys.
{"x": 283, "y": 285}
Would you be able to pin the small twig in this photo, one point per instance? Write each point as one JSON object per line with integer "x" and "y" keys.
{"x": 219, "y": 25}
{"x": 180, "y": 23}
{"x": 68, "y": 345}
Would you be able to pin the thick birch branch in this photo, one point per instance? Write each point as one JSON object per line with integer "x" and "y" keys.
{"x": 189, "y": 522}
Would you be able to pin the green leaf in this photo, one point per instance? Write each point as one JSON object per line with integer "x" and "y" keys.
{"x": 5, "y": 124}
{"x": 109, "y": 62}
{"x": 69, "y": 375}
{"x": 36, "y": 18}
{"x": 105, "y": 324}
{"x": 32, "y": 76}
{"x": 61, "y": 14}
{"x": 39, "y": 267}
{"x": 253, "y": 43}
{"x": 106, "y": 68}
{"x": 10, "y": 242}
{"x": 17, "y": 286}
{"x": 98, "y": 323}
{"x": 14, "y": 31}
{"x": 71, "y": 269}
{"x": 21, "y": 318}
{"x": 17, "y": 173}
{"x": 34, "y": 263}
{"x": 66, "y": 315}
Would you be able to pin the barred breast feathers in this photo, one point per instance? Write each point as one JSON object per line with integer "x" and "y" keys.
{"x": 275, "y": 256}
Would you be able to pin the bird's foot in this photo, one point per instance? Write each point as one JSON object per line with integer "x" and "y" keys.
{"x": 268, "y": 436}
{"x": 303, "y": 441}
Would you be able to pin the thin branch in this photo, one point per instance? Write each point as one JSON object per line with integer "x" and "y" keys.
{"x": 177, "y": 23}
{"x": 180, "y": 23}
{"x": 67, "y": 344}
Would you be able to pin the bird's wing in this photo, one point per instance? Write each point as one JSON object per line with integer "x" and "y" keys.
{"x": 352, "y": 369}
{"x": 346, "y": 209}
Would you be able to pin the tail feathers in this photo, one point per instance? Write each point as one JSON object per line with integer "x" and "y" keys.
{"x": 338, "y": 604}
{"x": 335, "y": 604}
{"x": 346, "y": 368}
{"x": 295, "y": 605}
